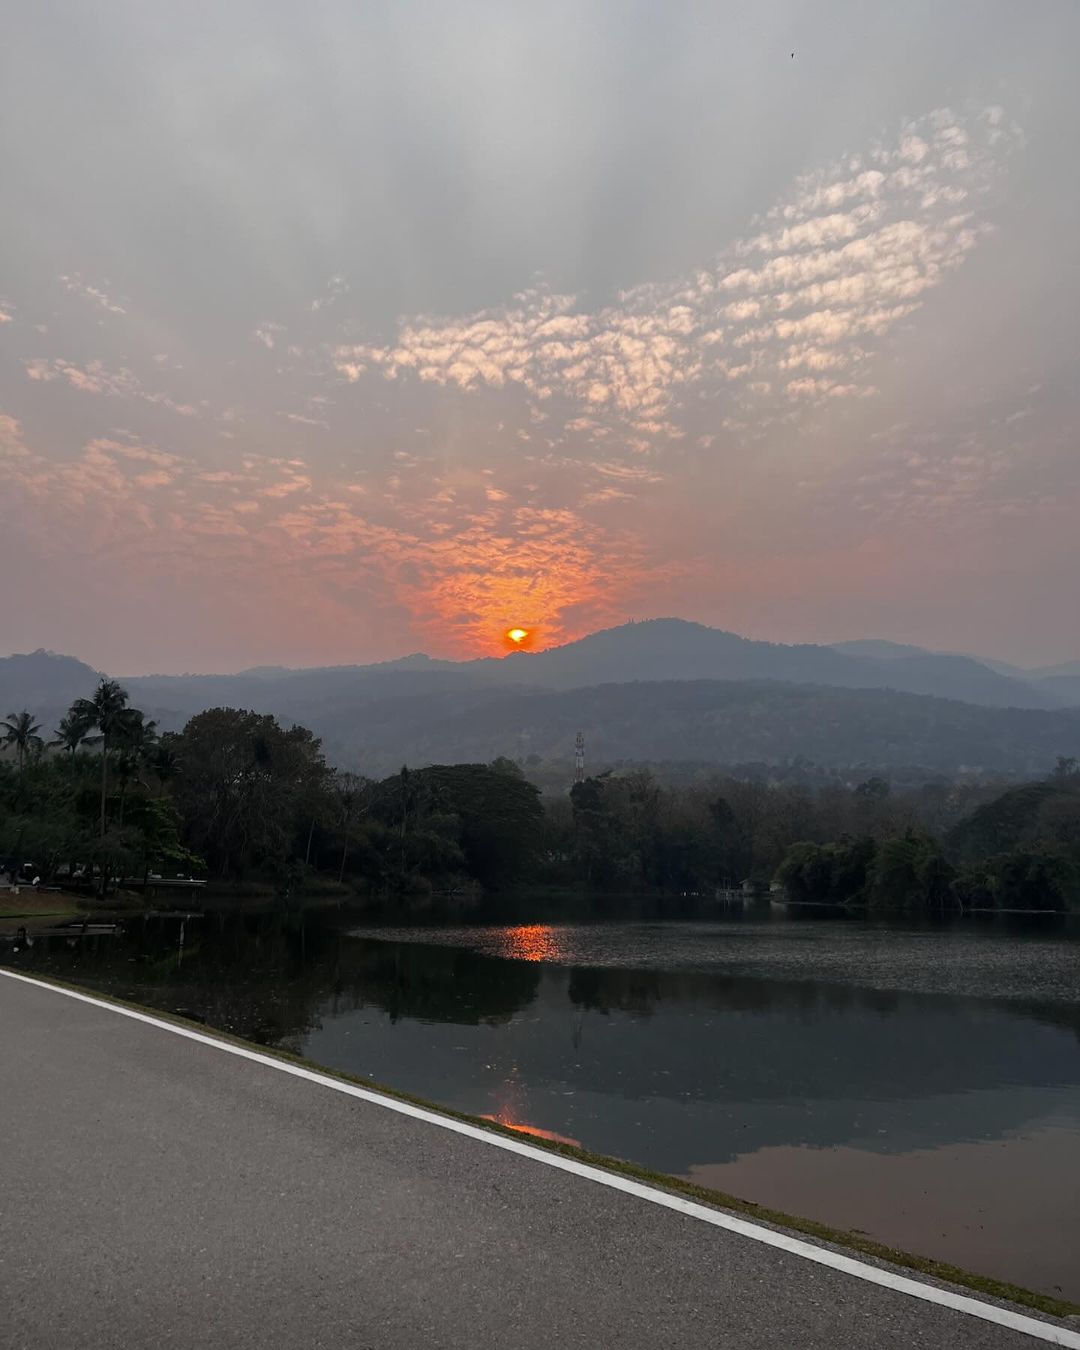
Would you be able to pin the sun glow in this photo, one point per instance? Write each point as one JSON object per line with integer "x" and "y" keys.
{"x": 517, "y": 635}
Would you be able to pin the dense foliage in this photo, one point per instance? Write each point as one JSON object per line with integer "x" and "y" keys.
{"x": 238, "y": 797}
{"x": 1020, "y": 850}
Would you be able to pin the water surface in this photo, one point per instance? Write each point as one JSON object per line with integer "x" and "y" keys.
{"x": 920, "y": 1083}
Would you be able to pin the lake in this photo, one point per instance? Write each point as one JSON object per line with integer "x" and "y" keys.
{"x": 916, "y": 1081}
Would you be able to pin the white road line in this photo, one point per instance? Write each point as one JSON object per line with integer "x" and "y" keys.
{"x": 902, "y": 1284}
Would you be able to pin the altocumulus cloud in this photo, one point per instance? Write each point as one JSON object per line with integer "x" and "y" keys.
{"x": 792, "y": 311}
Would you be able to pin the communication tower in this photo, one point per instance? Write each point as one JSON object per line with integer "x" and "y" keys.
{"x": 579, "y": 758}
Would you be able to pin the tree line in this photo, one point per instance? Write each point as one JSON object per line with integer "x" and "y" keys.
{"x": 237, "y": 797}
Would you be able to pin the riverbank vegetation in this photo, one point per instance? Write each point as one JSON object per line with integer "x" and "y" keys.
{"x": 107, "y": 804}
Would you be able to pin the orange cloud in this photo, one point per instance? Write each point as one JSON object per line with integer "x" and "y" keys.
{"x": 546, "y": 570}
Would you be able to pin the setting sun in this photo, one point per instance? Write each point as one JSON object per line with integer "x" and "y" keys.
{"x": 517, "y": 635}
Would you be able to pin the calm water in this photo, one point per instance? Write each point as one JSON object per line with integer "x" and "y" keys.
{"x": 918, "y": 1083}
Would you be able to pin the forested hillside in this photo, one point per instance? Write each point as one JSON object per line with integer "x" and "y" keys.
{"x": 846, "y": 711}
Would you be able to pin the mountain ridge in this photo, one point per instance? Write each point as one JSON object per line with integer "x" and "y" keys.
{"x": 660, "y": 689}
{"x": 672, "y": 648}
{"x": 651, "y": 649}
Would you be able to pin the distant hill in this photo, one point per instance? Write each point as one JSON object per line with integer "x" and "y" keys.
{"x": 722, "y": 722}
{"x": 295, "y": 694}
{"x": 878, "y": 650}
{"x": 664, "y": 690}
{"x": 1065, "y": 689}
{"x": 661, "y": 649}
{"x": 1054, "y": 686}
{"x": 1067, "y": 668}
{"x": 657, "y": 649}
{"x": 673, "y": 649}
{"x": 960, "y": 677}
{"x": 45, "y": 683}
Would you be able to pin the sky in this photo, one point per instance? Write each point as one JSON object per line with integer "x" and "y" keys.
{"x": 334, "y": 332}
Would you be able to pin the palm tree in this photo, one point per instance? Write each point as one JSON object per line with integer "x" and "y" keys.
{"x": 71, "y": 733}
{"x": 21, "y": 731}
{"x": 108, "y": 711}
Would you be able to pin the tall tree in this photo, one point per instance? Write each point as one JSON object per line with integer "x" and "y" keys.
{"x": 108, "y": 711}
{"x": 136, "y": 745}
{"x": 352, "y": 798}
{"x": 248, "y": 789}
{"x": 21, "y": 731}
{"x": 499, "y": 814}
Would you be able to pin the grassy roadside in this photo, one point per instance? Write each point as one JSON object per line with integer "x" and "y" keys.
{"x": 835, "y": 1237}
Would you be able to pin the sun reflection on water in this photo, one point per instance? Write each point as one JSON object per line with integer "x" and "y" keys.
{"x": 530, "y": 942}
{"x": 534, "y": 1131}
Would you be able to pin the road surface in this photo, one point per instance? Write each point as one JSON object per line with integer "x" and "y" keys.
{"x": 157, "y": 1192}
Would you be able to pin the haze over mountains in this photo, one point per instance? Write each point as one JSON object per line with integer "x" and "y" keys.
{"x": 659, "y": 690}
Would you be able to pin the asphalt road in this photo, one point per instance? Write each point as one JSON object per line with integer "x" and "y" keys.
{"x": 155, "y": 1192}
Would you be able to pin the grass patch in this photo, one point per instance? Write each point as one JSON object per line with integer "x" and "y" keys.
{"x": 34, "y": 905}
{"x": 824, "y": 1233}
